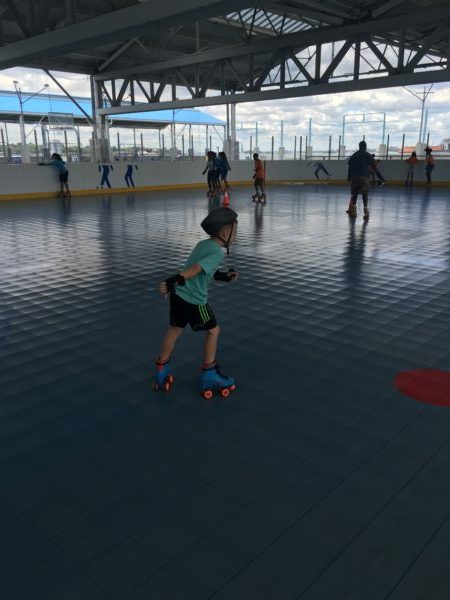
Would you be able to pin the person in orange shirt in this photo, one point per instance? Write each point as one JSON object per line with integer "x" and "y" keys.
{"x": 412, "y": 162}
{"x": 258, "y": 176}
{"x": 429, "y": 160}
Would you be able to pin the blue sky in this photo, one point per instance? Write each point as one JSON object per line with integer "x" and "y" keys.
{"x": 402, "y": 111}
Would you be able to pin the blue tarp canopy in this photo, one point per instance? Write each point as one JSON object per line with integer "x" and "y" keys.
{"x": 43, "y": 104}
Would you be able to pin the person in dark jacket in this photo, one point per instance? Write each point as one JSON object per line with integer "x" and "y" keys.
{"x": 359, "y": 165}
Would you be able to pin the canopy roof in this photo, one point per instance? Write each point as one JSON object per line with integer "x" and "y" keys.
{"x": 38, "y": 106}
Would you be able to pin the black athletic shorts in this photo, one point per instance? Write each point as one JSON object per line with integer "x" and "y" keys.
{"x": 63, "y": 177}
{"x": 199, "y": 316}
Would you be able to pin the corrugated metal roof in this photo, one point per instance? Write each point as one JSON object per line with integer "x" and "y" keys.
{"x": 43, "y": 104}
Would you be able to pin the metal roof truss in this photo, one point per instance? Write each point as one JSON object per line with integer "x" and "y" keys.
{"x": 373, "y": 54}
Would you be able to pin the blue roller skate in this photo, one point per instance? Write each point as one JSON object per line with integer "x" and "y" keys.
{"x": 163, "y": 379}
{"x": 212, "y": 380}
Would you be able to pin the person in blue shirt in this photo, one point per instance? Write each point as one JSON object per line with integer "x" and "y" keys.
{"x": 359, "y": 165}
{"x": 318, "y": 167}
{"x": 129, "y": 175}
{"x": 210, "y": 167}
{"x": 224, "y": 169}
{"x": 104, "y": 170}
{"x": 188, "y": 291}
{"x": 217, "y": 167}
{"x": 58, "y": 163}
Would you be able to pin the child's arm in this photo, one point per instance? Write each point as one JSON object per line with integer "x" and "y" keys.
{"x": 191, "y": 271}
{"x": 169, "y": 285}
{"x": 205, "y": 171}
{"x": 228, "y": 276}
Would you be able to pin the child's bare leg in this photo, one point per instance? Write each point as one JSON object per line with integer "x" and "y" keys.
{"x": 168, "y": 343}
{"x": 210, "y": 348}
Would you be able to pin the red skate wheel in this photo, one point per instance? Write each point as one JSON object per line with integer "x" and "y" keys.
{"x": 166, "y": 387}
{"x": 171, "y": 379}
{"x": 207, "y": 394}
{"x": 232, "y": 387}
{"x": 224, "y": 392}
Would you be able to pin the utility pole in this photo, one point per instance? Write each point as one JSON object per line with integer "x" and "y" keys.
{"x": 423, "y": 98}
{"x": 25, "y": 155}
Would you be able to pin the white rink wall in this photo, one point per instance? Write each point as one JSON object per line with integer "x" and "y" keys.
{"x": 26, "y": 180}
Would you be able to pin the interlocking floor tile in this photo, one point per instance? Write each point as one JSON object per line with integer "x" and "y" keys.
{"x": 316, "y": 479}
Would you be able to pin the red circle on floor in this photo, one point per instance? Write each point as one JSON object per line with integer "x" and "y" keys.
{"x": 425, "y": 385}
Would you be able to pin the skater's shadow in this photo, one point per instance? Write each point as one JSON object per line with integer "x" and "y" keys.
{"x": 355, "y": 252}
{"x": 65, "y": 205}
{"x": 213, "y": 202}
{"x": 131, "y": 201}
{"x": 259, "y": 223}
{"x": 107, "y": 203}
{"x": 425, "y": 204}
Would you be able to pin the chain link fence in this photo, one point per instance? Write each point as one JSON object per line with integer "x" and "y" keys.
{"x": 272, "y": 141}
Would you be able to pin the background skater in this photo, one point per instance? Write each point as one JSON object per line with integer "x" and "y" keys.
{"x": 411, "y": 162}
{"x": 258, "y": 177}
{"x": 318, "y": 167}
{"x": 57, "y": 162}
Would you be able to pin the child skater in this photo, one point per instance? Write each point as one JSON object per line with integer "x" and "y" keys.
{"x": 60, "y": 166}
{"x": 258, "y": 176}
{"x": 217, "y": 168}
{"x": 224, "y": 169}
{"x": 318, "y": 167}
{"x": 376, "y": 173}
{"x": 210, "y": 167}
{"x": 412, "y": 162}
{"x": 188, "y": 292}
{"x": 429, "y": 161}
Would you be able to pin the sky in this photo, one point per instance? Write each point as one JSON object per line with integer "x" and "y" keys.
{"x": 402, "y": 112}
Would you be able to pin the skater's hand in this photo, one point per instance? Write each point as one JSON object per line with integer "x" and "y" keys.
{"x": 168, "y": 286}
{"x": 162, "y": 288}
{"x": 230, "y": 275}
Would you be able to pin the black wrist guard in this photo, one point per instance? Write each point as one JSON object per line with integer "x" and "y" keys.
{"x": 221, "y": 276}
{"x": 173, "y": 281}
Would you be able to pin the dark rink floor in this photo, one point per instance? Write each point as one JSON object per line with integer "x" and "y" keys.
{"x": 316, "y": 480}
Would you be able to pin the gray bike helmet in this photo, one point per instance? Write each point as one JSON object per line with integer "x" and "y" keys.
{"x": 216, "y": 219}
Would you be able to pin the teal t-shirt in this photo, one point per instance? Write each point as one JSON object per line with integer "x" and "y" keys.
{"x": 59, "y": 166}
{"x": 208, "y": 254}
